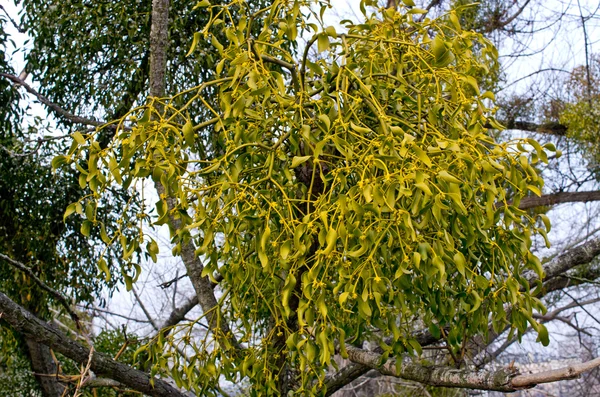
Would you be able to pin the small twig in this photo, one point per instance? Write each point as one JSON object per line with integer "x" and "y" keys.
{"x": 122, "y": 349}
{"x": 99, "y": 310}
{"x": 305, "y": 58}
{"x": 174, "y": 296}
{"x": 85, "y": 372}
{"x": 566, "y": 320}
{"x": 501, "y": 24}
{"x": 146, "y": 312}
{"x": 582, "y": 308}
{"x": 57, "y": 295}
{"x": 167, "y": 284}
{"x": 447, "y": 345}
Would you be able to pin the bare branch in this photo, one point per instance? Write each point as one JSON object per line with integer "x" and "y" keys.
{"x": 146, "y": 312}
{"x": 579, "y": 255}
{"x": 501, "y": 24}
{"x": 63, "y": 300}
{"x": 54, "y": 107}
{"x": 559, "y": 198}
{"x": 505, "y": 380}
{"x": 30, "y": 326}
{"x": 570, "y": 372}
{"x": 99, "y": 310}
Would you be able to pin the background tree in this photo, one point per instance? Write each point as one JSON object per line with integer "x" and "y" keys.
{"x": 217, "y": 147}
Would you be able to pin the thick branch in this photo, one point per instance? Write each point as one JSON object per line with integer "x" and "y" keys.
{"x": 500, "y": 380}
{"x": 559, "y": 198}
{"x": 159, "y": 35}
{"x": 570, "y": 372}
{"x": 579, "y": 255}
{"x": 202, "y": 285}
{"x": 564, "y": 281}
{"x": 179, "y": 314}
{"x": 436, "y": 376}
{"x": 354, "y": 371}
{"x": 289, "y": 66}
{"x": 32, "y": 327}
{"x": 553, "y": 280}
{"x": 547, "y": 128}
{"x": 100, "y": 382}
{"x": 44, "y": 368}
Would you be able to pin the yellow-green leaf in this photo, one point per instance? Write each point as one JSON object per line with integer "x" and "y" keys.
{"x": 188, "y": 133}
{"x": 195, "y": 41}
{"x": 459, "y": 261}
{"x": 297, "y": 160}
{"x": 322, "y": 42}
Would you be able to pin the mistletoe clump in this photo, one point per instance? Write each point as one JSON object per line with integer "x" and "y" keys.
{"x": 353, "y": 194}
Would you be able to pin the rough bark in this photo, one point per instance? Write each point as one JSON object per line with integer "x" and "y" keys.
{"x": 499, "y": 380}
{"x": 503, "y": 380}
{"x": 579, "y": 255}
{"x": 40, "y": 332}
{"x": 159, "y": 36}
{"x": 44, "y": 368}
{"x": 159, "y": 32}
{"x": 354, "y": 371}
{"x": 559, "y": 198}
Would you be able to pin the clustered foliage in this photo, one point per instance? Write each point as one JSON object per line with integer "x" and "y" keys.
{"x": 581, "y": 115}
{"x": 106, "y": 72}
{"x": 349, "y": 197}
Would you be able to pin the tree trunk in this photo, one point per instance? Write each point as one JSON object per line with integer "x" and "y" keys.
{"x": 44, "y": 368}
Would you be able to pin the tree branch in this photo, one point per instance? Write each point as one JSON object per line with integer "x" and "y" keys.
{"x": 57, "y": 295}
{"x": 14, "y": 23}
{"x": 54, "y": 107}
{"x": 569, "y": 372}
{"x": 552, "y": 128}
{"x": 202, "y": 285}
{"x": 146, "y": 312}
{"x": 179, "y": 313}
{"x": 31, "y": 327}
{"x": 496, "y": 24}
{"x": 554, "y": 269}
{"x": 354, "y": 371}
{"x": 504, "y": 380}
{"x": 579, "y": 255}
{"x": 289, "y": 66}
{"x": 559, "y": 198}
